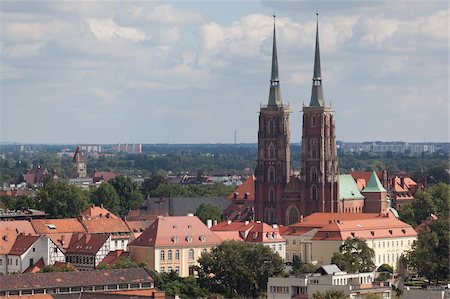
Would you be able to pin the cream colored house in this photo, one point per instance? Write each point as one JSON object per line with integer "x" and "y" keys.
{"x": 173, "y": 244}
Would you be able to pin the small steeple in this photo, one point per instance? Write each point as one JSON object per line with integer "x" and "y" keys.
{"x": 317, "y": 91}
{"x": 274, "y": 93}
{"x": 374, "y": 184}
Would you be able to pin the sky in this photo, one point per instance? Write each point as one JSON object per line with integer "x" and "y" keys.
{"x": 198, "y": 71}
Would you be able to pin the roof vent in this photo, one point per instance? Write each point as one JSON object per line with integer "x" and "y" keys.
{"x": 353, "y": 234}
{"x": 372, "y": 233}
{"x": 390, "y": 231}
{"x": 404, "y": 231}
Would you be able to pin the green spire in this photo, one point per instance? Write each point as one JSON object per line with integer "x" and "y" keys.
{"x": 274, "y": 93}
{"x": 317, "y": 91}
{"x": 374, "y": 184}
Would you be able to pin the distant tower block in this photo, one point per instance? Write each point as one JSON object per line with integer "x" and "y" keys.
{"x": 79, "y": 169}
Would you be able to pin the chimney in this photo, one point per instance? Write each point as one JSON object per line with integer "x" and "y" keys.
{"x": 63, "y": 238}
{"x": 246, "y": 222}
{"x": 190, "y": 214}
{"x": 301, "y": 218}
{"x": 246, "y": 195}
{"x": 228, "y": 222}
{"x": 215, "y": 222}
{"x": 209, "y": 223}
{"x": 101, "y": 205}
{"x": 274, "y": 226}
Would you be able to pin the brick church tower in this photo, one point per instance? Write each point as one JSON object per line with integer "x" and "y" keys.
{"x": 319, "y": 161}
{"x": 273, "y": 167}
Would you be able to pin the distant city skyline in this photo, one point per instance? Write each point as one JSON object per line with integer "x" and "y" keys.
{"x": 187, "y": 72}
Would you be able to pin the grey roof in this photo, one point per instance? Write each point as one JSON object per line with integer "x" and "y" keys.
{"x": 329, "y": 269}
{"x": 274, "y": 93}
{"x": 181, "y": 206}
{"x": 317, "y": 91}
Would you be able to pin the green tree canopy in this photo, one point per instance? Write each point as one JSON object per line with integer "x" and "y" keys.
{"x": 299, "y": 267}
{"x": 239, "y": 269}
{"x": 429, "y": 255}
{"x": 207, "y": 211}
{"x": 107, "y": 196}
{"x": 434, "y": 200}
{"x": 61, "y": 200}
{"x": 130, "y": 197}
{"x": 354, "y": 256}
{"x": 185, "y": 287}
{"x": 330, "y": 294}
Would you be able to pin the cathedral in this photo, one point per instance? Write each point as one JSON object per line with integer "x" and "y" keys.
{"x": 280, "y": 196}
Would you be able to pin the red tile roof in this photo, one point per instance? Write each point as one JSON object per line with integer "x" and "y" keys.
{"x": 9, "y": 231}
{"x": 177, "y": 230}
{"x": 263, "y": 233}
{"x": 36, "y": 267}
{"x": 22, "y": 244}
{"x": 114, "y": 256}
{"x": 98, "y": 211}
{"x": 389, "y": 227}
{"x": 246, "y": 187}
{"x": 57, "y": 226}
{"x": 105, "y": 176}
{"x": 87, "y": 243}
{"x": 104, "y": 224}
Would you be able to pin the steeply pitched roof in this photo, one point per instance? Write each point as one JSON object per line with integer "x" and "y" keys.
{"x": 274, "y": 92}
{"x": 247, "y": 187}
{"x": 22, "y": 244}
{"x": 114, "y": 256}
{"x": 374, "y": 184}
{"x": 78, "y": 156}
{"x": 36, "y": 267}
{"x": 317, "y": 99}
{"x": 87, "y": 243}
{"x": 263, "y": 233}
{"x": 348, "y": 190}
{"x": 94, "y": 211}
{"x": 73, "y": 279}
{"x": 177, "y": 231}
{"x": 9, "y": 231}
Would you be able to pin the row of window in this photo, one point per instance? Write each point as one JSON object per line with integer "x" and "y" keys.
{"x": 162, "y": 255}
{"x": 80, "y": 259}
{"x": 388, "y": 258}
{"x": 276, "y": 289}
{"x": 386, "y": 244}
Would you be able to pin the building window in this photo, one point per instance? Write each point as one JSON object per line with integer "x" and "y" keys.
{"x": 34, "y": 249}
{"x": 271, "y": 174}
{"x": 162, "y": 269}
{"x": 271, "y": 151}
{"x": 191, "y": 254}
{"x": 313, "y": 122}
{"x": 271, "y": 127}
{"x": 1, "y": 262}
{"x": 293, "y": 215}
{"x": 204, "y": 251}
{"x": 169, "y": 269}
{"x": 177, "y": 269}
{"x": 177, "y": 255}
{"x": 191, "y": 270}
{"x": 17, "y": 262}
{"x": 270, "y": 217}
{"x": 169, "y": 255}
{"x": 314, "y": 192}
{"x": 271, "y": 195}
{"x": 162, "y": 255}
{"x": 313, "y": 174}
{"x": 280, "y": 247}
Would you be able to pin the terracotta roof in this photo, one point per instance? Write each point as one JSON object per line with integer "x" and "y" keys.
{"x": 36, "y": 267}
{"x": 22, "y": 243}
{"x": 239, "y": 226}
{"x": 104, "y": 224}
{"x": 263, "y": 233}
{"x": 322, "y": 219}
{"x": 73, "y": 279}
{"x": 364, "y": 175}
{"x": 177, "y": 230}
{"x": 389, "y": 227}
{"x": 246, "y": 187}
{"x": 114, "y": 256}
{"x": 229, "y": 235}
{"x": 87, "y": 243}
{"x": 58, "y": 226}
{"x": 9, "y": 231}
{"x": 138, "y": 226}
{"x": 425, "y": 224}
{"x": 98, "y": 211}
{"x": 61, "y": 240}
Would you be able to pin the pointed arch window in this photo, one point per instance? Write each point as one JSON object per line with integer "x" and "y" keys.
{"x": 271, "y": 174}
{"x": 271, "y": 195}
{"x": 314, "y": 176}
{"x": 271, "y": 126}
{"x": 293, "y": 215}
{"x": 271, "y": 151}
{"x": 270, "y": 216}
{"x": 314, "y": 192}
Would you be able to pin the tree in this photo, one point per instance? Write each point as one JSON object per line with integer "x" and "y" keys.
{"x": 298, "y": 267}
{"x": 61, "y": 268}
{"x": 107, "y": 196}
{"x": 130, "y": 197}
{"x": 61, "y": 200}
{"x": 207, "y": 211}
{"x": 429, "y": 254}
{"x": 434, "y": 200}
{"x": 330, "y": 294}
{"x": 174, "y": 285}
{"x": 354, "y": 256}
{"x": 239, "y": 269}
{"x": 152, "y": 183}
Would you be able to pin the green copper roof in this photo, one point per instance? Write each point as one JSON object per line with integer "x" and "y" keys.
{"x": 374, "y": 184}
{"x": 348, "y": 190}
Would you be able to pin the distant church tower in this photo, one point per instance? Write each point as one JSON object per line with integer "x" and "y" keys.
{"x": 319, "y": 161}
{"x": 273, "y": 167}
{"x": 79, "y": 168}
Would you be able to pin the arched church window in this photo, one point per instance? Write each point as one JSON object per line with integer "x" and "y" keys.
{"x": 293, "y": 216}
{"x": 313, "y": 174}
{"x": 314, "y": 192}
{"x": 271, "y": 174}
{"x": 271, "y": 151}
{"x": 271, "y": 127}
{"x": 271, "y": 195}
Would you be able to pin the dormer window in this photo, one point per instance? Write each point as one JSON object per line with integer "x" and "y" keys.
{"x": 188, "y": 239}
{"x": 255, "y": 235}
{"x": 175, "y": 239}
{"x": 202, "y": 238}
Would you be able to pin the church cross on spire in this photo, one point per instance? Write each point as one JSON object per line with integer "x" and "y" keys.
{"x": 317, "y": 91}
{"x": 274, "y": 93}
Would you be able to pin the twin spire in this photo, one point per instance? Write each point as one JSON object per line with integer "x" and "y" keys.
{"x": 317, "y": 99}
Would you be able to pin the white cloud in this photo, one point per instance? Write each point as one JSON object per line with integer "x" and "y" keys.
{"x": 106, "y": 30}
{"x": 107, "y": 96}
{"x": 25, "y": 50}
{"x": 163, "y": 14}
{"x": 168, "y": 36}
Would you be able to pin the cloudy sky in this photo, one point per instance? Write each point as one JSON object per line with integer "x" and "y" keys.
{"x": 196, "y": 71}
